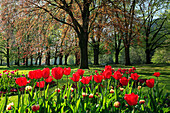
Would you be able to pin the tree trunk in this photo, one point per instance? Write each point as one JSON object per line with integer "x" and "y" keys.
{"x": 117, "y": 57}
{"x": 77, "y": 55}
{"x": 1, "y": 62}
{"x": 40, "y": 58}
{"x": 61, "y": 58}
{"x": 8, "y": 57}
{"x": 18, "y": 57}
{"x": 31, "y": 61}
{"x": 15, "y": 62}
{"x": 48, "y": 63}
{"x": 55, "y": 60}
{"x": 36, "y": 61}
{"x": 66, "y": 57}
{"x": 148, "y": 56}
{"x": 83, "y": 50}
{"x": 26, "y": 61}
{"x": 127, "y": 55}
{"x": 23, "y": 61}
{"x": 96, "y": 54}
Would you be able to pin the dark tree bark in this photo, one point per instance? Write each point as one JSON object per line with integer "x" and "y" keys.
{"x": 18, "y": 58}
{"x": 148, "y": 57}
{"x": 31, "y": 60}
{"x": 61, "y": 60}
{"x": 127, "y": 56}
{"x": 66, "y": 57}
{"x": 83, "y": 51}
{"x": 55, "y": 58}
{"x": 7, "y": 54}
{"x": 117, "y": 56}
{"x": 40, "y": 59}
{"x": 96, "y": 54}
{"x": 36, "y": 61}
{"x": 77, "y": 55}
{"x": 26, "y": 61}
{"x": 1, "y": 62}
{"x": 23, "y": 60}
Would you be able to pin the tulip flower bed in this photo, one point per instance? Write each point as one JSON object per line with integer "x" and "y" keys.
{"x": 110, "y": 90}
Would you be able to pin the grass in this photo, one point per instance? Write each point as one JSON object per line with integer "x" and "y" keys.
{"x": 145, "y": 71}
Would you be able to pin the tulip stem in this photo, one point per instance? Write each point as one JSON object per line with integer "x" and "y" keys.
{"x": 67, "y": 81}
{"x": 133, "y": 109}
{"x": 44, "y": 97}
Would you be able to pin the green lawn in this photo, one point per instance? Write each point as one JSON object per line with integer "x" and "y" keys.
{"x": 145, "y": 71}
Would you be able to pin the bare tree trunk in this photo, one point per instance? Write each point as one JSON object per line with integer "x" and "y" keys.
{"x": 31, "y": 61}
{"x": 61, "y": 60}
{"x": 27, "y": 61}
{"x": 96, "y": 54}
{"x": 40, "y": 58}
{"x": 1, "y": 62}
{"x": 117, "y": 56}
{"x": 83, "y": 50}
{"x": 127, "y": 56}
{"x": 66, "y": 57}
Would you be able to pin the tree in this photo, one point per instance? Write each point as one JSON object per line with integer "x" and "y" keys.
{"x": 154, "y": 27}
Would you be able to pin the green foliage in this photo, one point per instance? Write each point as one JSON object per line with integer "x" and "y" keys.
{"x": 161, "y": 56}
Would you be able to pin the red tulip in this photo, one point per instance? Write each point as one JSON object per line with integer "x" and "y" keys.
{"x": 31, "y": 74}
{"x": 22, "y": 81}
{"x": 67, "y": 71}
{"x": 117, "y": 75}
{"x": 157, "y": 74}
{"x": 38, "y": 74}
{"x": 108, "y": 67}
{"x": 124, "y": 81}
{"x": 5, "y": 71}
{"x": 134, "y": 76}
{"x": 98, "y": 78}
{"x": 49, "y": 79}
{"x": 80, "y": 72}
{"x": 57, "y": 72}
{"x": 133, "y": 68}
{"x": 150, "y": 82}
{"x": 131, "y": 99}
{"x": 40, "y": 84}
{"x": 45, "y": 72}
{"x": 85, "y": 80}
{"x": 75, "y": 77}
{"x": 107, "y": 74}
{"x": 35, "y": 107}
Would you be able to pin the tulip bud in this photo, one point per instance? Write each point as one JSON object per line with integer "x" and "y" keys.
{"x": 65, "y": 97}
{"x": 121, "y": 89}
{"x": 126, "y": 105}
{"x": 35, "y": 107}
{"x": 58, "y": 90}
{"x": 91, "y": 96}
{"x": 28, "y": 88}
{"x": 9, "y": 106}
{"x": 111, "y": 87}
{"x": 112, "y": 91}
{"x": 97, "y": 93}
{"x": 116, "y": 104}
{"x": 142, "y": 101}
{"x": 72, "y": 89}
{"x": 84, "y": 94}
{"x": 139, "y": 87}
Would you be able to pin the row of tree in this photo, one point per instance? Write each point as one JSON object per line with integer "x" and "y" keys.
{"x": 32, "y": 29}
